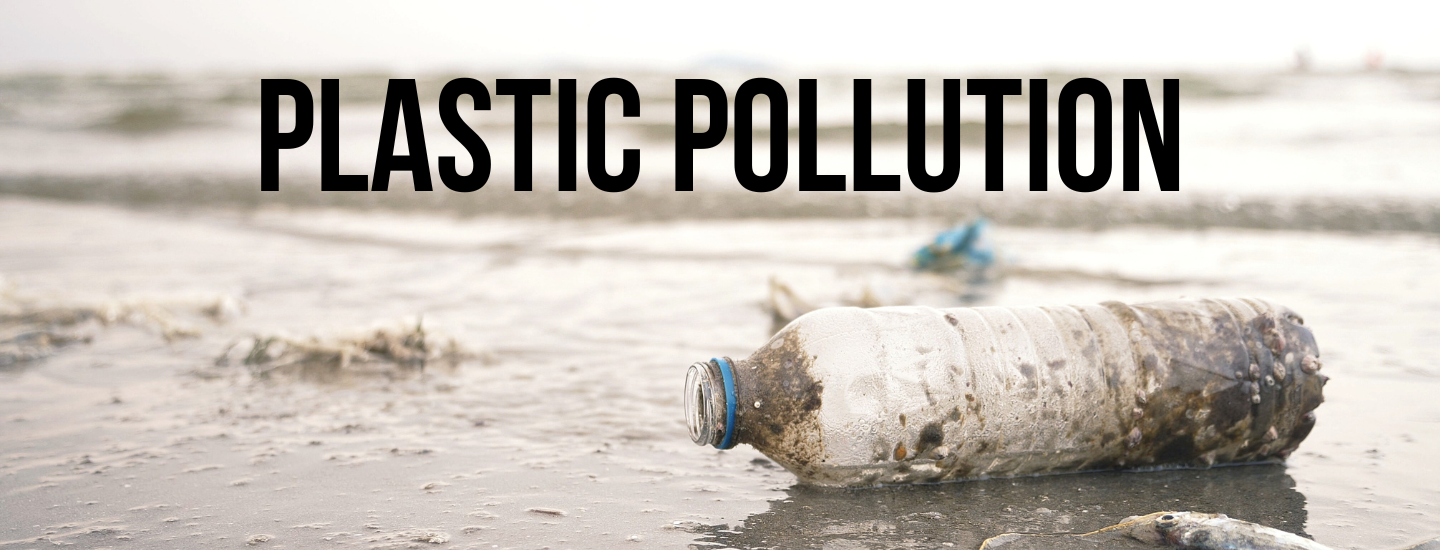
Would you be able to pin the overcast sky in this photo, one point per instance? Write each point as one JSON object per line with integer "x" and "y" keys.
{"x": 234, "y": 35}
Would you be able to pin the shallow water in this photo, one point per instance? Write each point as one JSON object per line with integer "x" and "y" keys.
{"x": 566, "y": 430}
{"x": 1243, "y": 135}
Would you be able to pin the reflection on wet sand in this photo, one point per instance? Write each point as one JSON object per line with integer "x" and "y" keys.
{"x": 965, "y": 514}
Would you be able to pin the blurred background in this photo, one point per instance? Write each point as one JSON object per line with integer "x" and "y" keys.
{"x": 186, "y": 358}
{"x": 1316, "y": 113}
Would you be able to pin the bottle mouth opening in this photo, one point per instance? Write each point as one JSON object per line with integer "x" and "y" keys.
{"x": 705, "y": 404}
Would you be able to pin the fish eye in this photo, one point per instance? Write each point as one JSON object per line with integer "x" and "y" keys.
{"x": 1167, "y": 522}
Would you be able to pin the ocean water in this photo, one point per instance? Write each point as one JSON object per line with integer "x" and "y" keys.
{"x": 563, "y": 426}
{"x": 1339, "y": 151}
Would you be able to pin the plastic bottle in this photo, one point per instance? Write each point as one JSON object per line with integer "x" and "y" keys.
{"x": 854, "y": 397}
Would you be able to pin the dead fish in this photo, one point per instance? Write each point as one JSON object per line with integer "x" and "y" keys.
{"x": 1212, "y": 532}
{"x": 1187, "y": 530}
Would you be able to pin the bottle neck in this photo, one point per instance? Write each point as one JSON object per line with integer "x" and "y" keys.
{"x": 710, "y": 403}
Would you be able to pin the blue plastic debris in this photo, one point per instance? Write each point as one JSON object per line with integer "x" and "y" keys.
{"x": 964, "y": 247}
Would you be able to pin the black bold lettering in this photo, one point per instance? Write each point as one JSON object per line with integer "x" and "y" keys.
{"x": 994, "y": 90}
{"x": 401, "y": 95}
{"x": 809, "y": 179}
{"x": 272, "y": 140}
{"x": 1068, "y": 172}
{"x": 1039, "y": 135}
{"x": 567, "y": 134}
{"x": 595, "y": 135}
{"x": 1165, "y": 152}
{"x": 450, "y": 115}
{"x": 686, "y": 140}
{"x": 864, "y": 179}
{"x": 524, "y": 90}
{"x": 744, "y": 134}
{"x": 915, "y": 136}
{"x": 330, "y": 177}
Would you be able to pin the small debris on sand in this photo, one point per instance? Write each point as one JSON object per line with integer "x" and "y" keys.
{"x": 784, "y": 305}
{"x": 385, "y": 351}
{"x": 32, "y": 327}
{"x": 404, "y": 538}
{"x": 431, "y": 537}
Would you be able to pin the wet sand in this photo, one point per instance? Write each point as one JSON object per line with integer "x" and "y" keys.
{"x": 565, "y": 429}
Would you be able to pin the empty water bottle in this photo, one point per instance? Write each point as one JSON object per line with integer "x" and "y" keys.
{"x": 851, "y": 397}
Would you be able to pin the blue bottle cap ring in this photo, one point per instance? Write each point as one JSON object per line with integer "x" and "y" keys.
{"x": 706, "y": 395}
{"x": 729, "y": 440}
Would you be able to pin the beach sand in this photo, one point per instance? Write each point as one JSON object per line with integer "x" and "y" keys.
{"x": 564, "y": 429}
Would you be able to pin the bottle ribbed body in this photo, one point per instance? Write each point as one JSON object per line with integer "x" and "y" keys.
{"x": 849, "y": 396}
